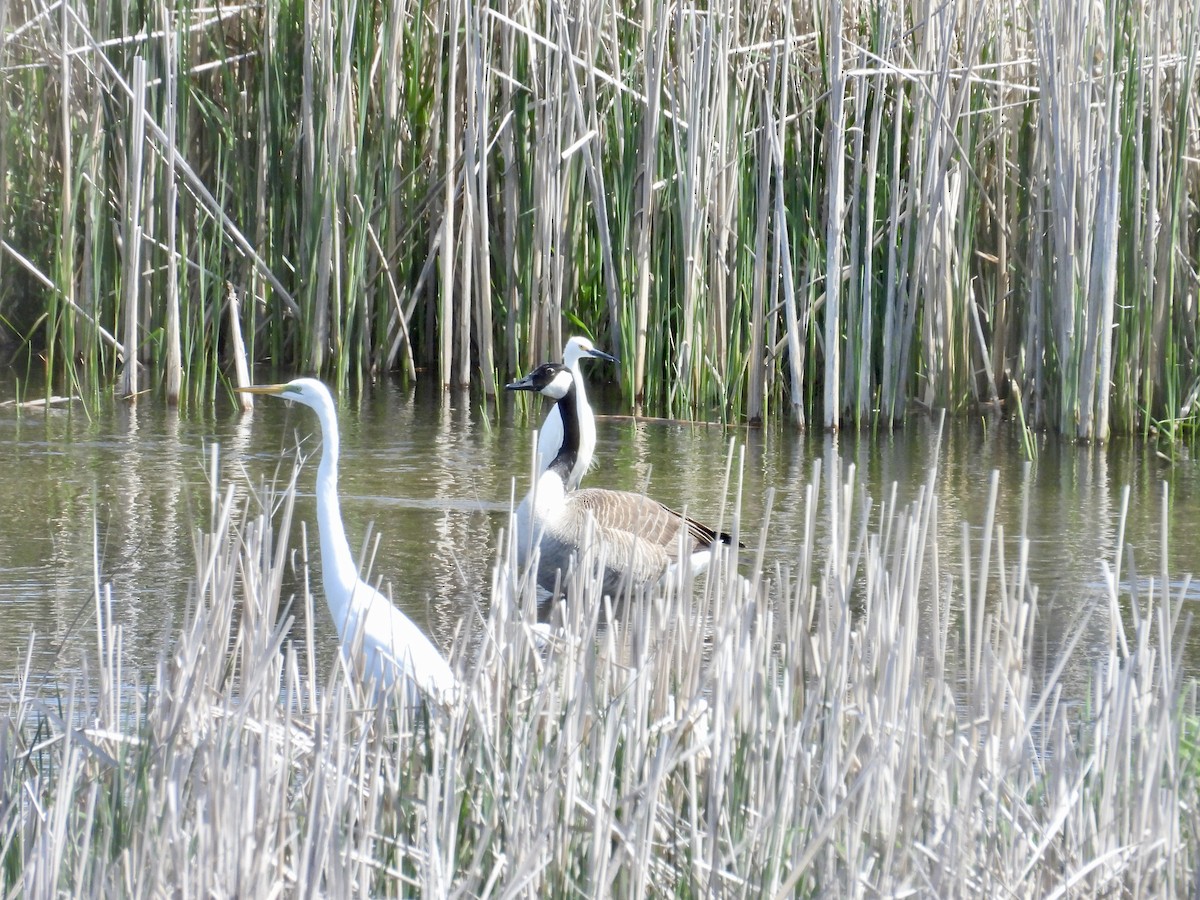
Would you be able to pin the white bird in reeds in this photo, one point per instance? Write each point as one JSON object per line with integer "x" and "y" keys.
{"x": 639, "y": 539}
{"x": 550, "y": 436}
{"x": 379, "y": 643}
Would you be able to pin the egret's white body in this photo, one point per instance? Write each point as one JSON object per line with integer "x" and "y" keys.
{"x": 638, "y": 539}
{"x": 382, "y": 645}
{"x": 550, "y": 437}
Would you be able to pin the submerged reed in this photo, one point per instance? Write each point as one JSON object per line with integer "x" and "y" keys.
{"x": 829, "y": 213}
{"x": 877, "y": 716}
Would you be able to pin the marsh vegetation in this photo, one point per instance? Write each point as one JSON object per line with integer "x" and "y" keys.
{"x": 859, "y": 719}
{"x": 833, "y": 214}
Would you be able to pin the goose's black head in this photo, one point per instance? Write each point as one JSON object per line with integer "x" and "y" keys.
{"x": 553, "y": 380}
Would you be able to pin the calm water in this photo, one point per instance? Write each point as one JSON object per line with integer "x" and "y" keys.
{"x": 434, "y": 475}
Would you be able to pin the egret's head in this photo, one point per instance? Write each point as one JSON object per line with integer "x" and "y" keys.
{"x": 308, "y": 391}
{"x": 552, "y": 380}
{"x": 579, "y": 347}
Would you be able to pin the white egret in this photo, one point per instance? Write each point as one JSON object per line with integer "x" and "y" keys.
{"x": 550, "y": 437}
{"x": 382, "y": 645}
{"x": 642, "y": 539}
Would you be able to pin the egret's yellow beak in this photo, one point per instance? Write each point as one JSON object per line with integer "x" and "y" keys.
{"x": 275, "y": 389}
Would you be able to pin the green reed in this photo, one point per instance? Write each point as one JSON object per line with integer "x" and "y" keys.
{"x": 832, "y": 216}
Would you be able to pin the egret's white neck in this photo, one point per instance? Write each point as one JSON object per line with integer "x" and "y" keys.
{"x": 339, "y": 574}
{"x": 586, "y": 424}
{"x": 581, "y": 401}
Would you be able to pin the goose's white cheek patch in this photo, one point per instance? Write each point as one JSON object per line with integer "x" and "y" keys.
{"x": 559, "y": 386}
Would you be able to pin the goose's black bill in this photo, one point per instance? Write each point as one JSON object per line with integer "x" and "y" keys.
{"x": 523, "y": 384}
{"x": 538, "y": 379}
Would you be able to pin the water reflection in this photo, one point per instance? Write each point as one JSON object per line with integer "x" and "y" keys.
{"x": 433, "y": 473}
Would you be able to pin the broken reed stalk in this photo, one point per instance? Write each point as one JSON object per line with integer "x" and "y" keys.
{"x": 132, "y": 244}
{"x": 174, "y": 355}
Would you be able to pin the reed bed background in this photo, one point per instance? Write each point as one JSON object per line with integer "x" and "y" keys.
{"x": 831, "y": 213}
{"x": 879, "y": 716}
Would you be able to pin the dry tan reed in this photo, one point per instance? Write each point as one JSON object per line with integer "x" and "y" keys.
{"x": 877, "y": 715}
{"x": 828, "y": 213}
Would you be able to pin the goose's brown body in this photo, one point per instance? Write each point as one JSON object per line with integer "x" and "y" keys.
{"x": 635, "y": 538}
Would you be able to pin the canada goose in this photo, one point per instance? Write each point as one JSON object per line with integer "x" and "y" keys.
{"x": 643, "y": 539}
{"x": 550, "y": 437}
{"x": 381, "y": 644}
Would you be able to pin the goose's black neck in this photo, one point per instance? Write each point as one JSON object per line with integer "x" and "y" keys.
{"x": 568, "y": 453}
